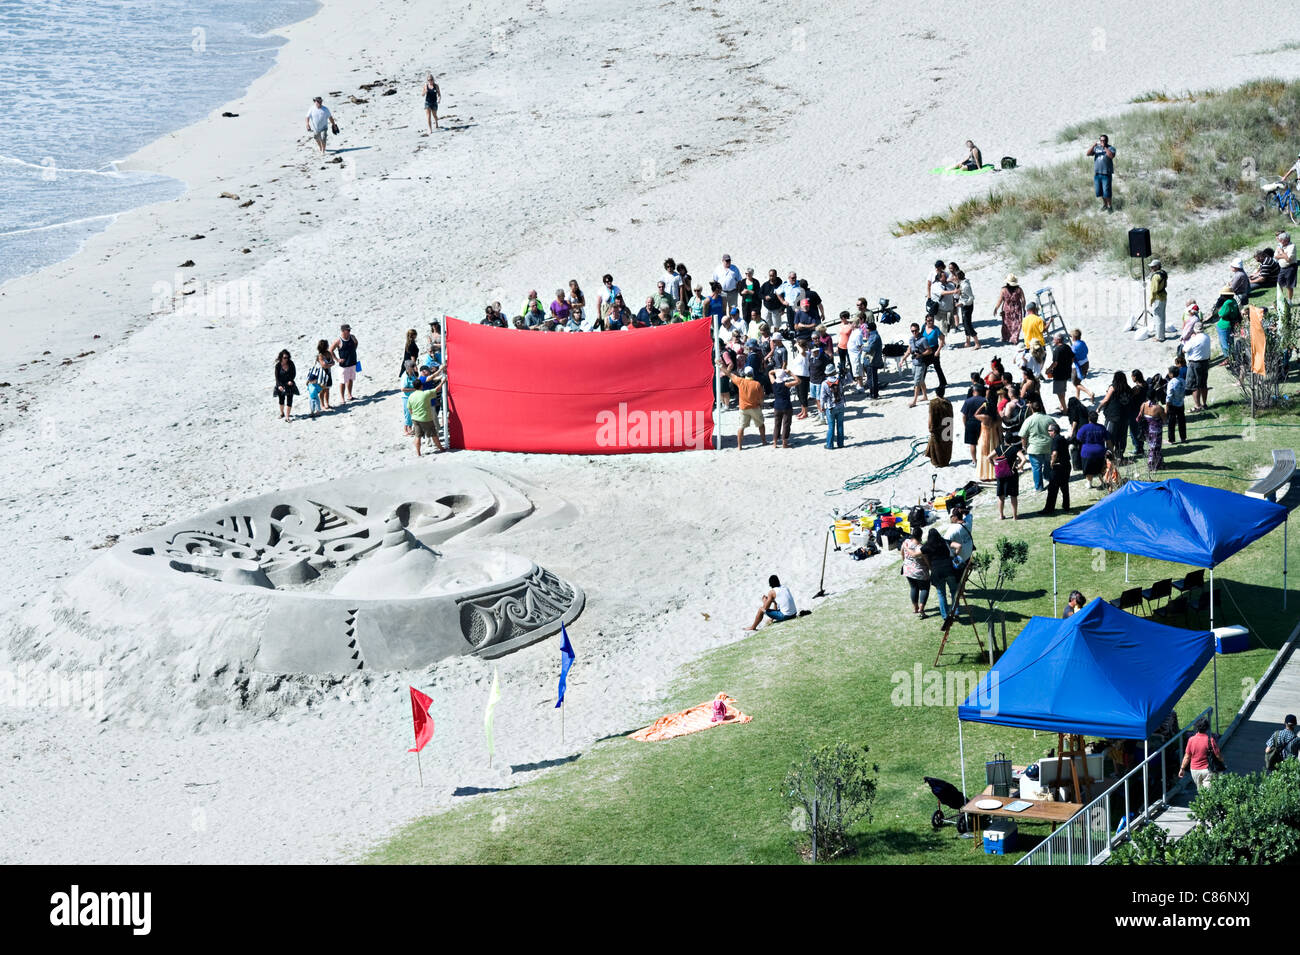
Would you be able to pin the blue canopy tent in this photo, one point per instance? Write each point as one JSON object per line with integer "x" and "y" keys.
{"x": 1100, "y": 672}
{"x": 1175, "y": 521}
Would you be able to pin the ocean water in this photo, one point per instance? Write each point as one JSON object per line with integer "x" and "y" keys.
{"x": 84, "y": 83}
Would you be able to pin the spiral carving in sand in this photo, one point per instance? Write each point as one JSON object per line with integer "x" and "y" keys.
{"x": 374, "y": 572}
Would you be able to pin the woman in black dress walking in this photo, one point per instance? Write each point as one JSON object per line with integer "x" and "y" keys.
{"x": 431, "y": 96}
{"x": 285, "y": 386}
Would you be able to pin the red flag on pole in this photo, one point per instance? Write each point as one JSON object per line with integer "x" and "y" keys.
{"x": 423, "y": 721}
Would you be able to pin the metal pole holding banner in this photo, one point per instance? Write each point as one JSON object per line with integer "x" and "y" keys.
{"x": 717, "y": 386}
{"x": 1285, "y": 524}
{"x": 446, "y": 386}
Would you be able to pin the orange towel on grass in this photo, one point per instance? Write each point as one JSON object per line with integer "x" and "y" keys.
{"x": 690, "y": 721}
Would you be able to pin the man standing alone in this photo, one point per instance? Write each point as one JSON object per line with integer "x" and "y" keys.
{"x": 1103, "y": 167}
{"x": 319, "y": 121}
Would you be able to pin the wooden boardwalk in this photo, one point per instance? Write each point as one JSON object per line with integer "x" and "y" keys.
{"x": 1243, "y": 746}
{"x": 1244, "y": 750}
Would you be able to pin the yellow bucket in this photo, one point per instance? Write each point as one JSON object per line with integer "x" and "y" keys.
{"x": 842, "y": 531}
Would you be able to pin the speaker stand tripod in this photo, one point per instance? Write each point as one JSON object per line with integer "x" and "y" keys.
{"x": 1143, "y": 318}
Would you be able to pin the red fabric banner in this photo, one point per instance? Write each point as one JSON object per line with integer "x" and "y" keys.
{"x": 420, "y": 704}
{"x": 647, "y": 389}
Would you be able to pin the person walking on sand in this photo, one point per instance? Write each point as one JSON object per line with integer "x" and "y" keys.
{"x": 1103, "y": 168}
{"x": 1011, "y": 307}
{"x": 966, "y": 306}
{"x": 319, "y": 123}
{"x": 431, "y": 96}
{"x": 325, "y": 362}
{"x": 344, "y": 350}
{"x": 285, "y": 386}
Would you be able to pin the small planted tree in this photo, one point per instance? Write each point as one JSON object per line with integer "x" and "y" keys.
{"x": 994, "y": 570}
{"x": 832, "y": 789}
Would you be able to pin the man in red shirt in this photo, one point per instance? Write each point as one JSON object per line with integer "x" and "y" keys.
{"x": 1197, "y": 755}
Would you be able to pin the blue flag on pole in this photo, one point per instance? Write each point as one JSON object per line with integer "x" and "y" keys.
{"x": 566, "y": 660}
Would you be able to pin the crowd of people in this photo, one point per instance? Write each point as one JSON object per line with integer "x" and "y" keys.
{"x": 777, "y": 349}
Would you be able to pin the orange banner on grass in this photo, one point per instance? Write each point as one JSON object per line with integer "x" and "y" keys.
{"x": 1258, "y": 344}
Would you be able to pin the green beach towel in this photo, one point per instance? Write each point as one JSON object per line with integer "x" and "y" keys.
{"x": 949, "y": 171}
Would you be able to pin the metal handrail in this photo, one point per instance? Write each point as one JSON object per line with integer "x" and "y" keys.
{"x": 1086, "y": 836}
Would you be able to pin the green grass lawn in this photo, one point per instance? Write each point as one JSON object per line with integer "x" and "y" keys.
{"x": 715, "y": 796}
{"x": 1186, "y": 167}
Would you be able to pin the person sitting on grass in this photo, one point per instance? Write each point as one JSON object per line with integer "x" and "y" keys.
{"x": 1266, "y": 271}
{"x": 777, "y": 604}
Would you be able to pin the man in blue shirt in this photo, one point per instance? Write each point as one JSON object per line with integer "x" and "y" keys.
{"x": 804, "y": 322}
{"x": 790, "y": 295}
{"x": 1103, "y": 167}
{"x": 934, "y": 342}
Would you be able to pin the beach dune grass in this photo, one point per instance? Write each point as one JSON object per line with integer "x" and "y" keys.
{"x": 1187, "y": 167}
{"x": 847, "y": 672}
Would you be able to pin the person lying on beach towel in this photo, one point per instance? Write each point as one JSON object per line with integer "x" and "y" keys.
{"x": 721, "y": 709}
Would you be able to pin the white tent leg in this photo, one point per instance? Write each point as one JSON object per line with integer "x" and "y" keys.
{"x": 961, "y": 754}
{"x": 1126, "y": 568}
{"x": 1055, "y": 608}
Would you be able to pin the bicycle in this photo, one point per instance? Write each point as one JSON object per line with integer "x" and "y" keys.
{"x": 1281, "y": 195}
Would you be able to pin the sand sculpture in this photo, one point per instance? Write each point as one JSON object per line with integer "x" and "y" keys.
{"x": 377, "y": 572}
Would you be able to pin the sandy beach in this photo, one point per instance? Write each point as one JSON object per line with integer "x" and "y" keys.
{"x": 582, "y": 137}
